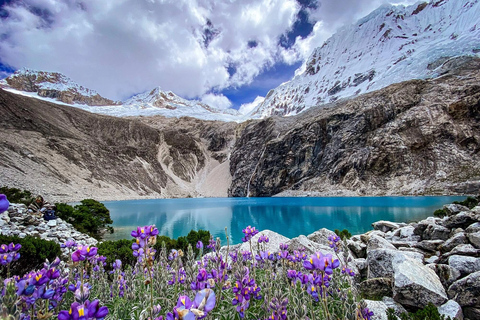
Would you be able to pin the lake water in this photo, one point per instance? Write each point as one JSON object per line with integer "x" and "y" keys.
{"x": 288, "y": 216}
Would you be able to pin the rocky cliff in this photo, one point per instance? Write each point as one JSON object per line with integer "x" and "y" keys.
{"x": 415, "y": 137}
{"x": 67, "y": 154}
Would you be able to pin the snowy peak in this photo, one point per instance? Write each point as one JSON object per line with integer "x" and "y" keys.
{"x": 390, "y": 45}
{"x": 54, "y": 85}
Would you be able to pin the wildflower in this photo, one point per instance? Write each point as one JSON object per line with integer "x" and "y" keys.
{"x": 199, "y": 244}
{"x": 9, "y": 253}
{"x": 263, "y": 238}
{"x": 84, "y": 252}
{"x": 348, "y": 271}
{"x": 334, "y": 242}
{"x": 87, "y": 311}
{"x": 249, "y": 232}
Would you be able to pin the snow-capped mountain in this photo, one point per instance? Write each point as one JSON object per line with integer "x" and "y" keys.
{"x": 53, "y": 85}
{"x": 390, "y": 45}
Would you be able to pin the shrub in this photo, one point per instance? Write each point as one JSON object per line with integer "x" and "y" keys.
{"x": 440, "y": 213}
{"x": 344, "y": 234}
{"x": 430, "y": 312}
{"x": 120, "y": 249}
{"x": 470, "y": 202}
{"x": 15, "y": 195}
{"x": 90, "y": 217}
{"x": 33, "y": 253}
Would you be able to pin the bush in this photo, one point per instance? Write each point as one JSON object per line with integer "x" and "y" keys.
{"x": 90, "y": 217}
{"x": 430, "y": 312}
{"x": 470, "y": 202}
{"x": 33, "y": 253}
{"x": 120, "y": 249}
{"x": 440, "y": 213}
{"x": 344, "y": 234}
{"x": 15, "y": 195}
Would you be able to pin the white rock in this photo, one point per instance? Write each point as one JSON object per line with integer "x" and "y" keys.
{"x": 474, "y": 239}
{"x": 273, "y": 244}
{"x": 465, "y": 265}
{"x": 451, "y": 309}
{"x": 52, "y": 223}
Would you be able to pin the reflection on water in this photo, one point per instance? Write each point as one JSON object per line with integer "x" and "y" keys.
{"x": 287, "y": 216}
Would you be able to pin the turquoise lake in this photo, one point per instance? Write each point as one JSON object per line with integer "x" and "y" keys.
{"x": 288, "y": 216}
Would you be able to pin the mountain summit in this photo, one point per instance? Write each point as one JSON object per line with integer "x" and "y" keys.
{"x": 390, "y": 45}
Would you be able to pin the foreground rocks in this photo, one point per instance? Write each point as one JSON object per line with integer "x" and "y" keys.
{"x": 17, "y": 222}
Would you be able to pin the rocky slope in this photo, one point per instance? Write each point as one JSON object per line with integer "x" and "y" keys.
{"x": 69, "y": 154}
{"x": 415, "y": 137}
{"x": 54, "y": 85}
{"x": 390, "y": 45}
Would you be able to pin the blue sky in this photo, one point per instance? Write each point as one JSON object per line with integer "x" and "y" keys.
{"x": 225, "y": 53}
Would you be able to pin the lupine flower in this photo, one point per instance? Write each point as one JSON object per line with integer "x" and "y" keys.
{"x": 68, "y": 244}
{"x": 4, "y": 204}
{"x": 84, "y": 252}
{"x": 211, "y": 243}
{"x": 87, "y": 311}
{"x": 348, "y": 271}
{"x": 263, "y": 238}
{"x": 366, "y": 314}
{"x": 334, "y": 242}
{"x": 279, "y": 310}
{"x": 199, "y": 244}
{"x": 9, "y": 253}
{"x": 249, "y": 232}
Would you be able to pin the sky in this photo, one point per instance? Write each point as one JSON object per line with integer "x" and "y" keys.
{"x": 226, "y": 53}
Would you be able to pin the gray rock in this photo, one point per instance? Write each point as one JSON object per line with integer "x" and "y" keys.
{"x": 445, "y": 273}
{"x": 466, "y": 291}
{"x": 471, "y": 313}
{"x": 474, "y": 227}
{"x": 474, "y": 239}
{"x": 22, "y": 235}
{"x": 436, "y": 232}
{"x": 432, "y": 260}
{"x": 428, "y": 245}
{"x": 454, "y": 241}
{"x": 302, "y": 242}
{"x": 376, "y": 287}
{"x": 385, "y": 226}
{"x": 416, "y": 285}
{"x": 391, "y": 303}
{"x": 357, "y": 247}
{"x": 451, "y": 309}
{"x": 380, "y": 262}
{"x": 379, "y": 309}
{"x": 406, "y": 233}
{"x": 454, "y": 208}
{"x": 461, "y": 220}
{"x": 376, "y": 242}
{"x": 52, "y": 223}
{"x": 320, "y": 236}
{"x": 465, "y": 265}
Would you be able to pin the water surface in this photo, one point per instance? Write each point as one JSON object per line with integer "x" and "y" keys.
{"x": 287, "y": 216}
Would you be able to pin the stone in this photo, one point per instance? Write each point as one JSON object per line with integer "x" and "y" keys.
{"x": 390, "y": 303}
{"x": 474, "y": 239}
{"x": 436, "y": 232}
{"x": 471, "y": 313}
{"x": 22, "y": 235}
{"x": 376, "y": 287}
{"x": 453, "y": 208}
{"x": 381, "y": 262}
{"x": 432, "y": 260}
{"x": 428, "y": 245}
{"x": 415, "y": 285}
{"x": 377, "y": 242}
{"x": 464, "y": 264}
{"x": 302, "y": 242}
{"x": 461, "y": 220}
{"x": 385, "y": 226}
{"x": 445, "y": 273}
{"x": 52, "y": 223}
{"x": 406, "y": 233}
{"x": 474, "y": 227}
{"x": 357, "y": 247}
{"x": 451, "y": 309}
{"x": 321, "y": 236}
{"x": 379, "y": 309}
{"x": 454, "y": 241}
{"x": 466, "y": 291}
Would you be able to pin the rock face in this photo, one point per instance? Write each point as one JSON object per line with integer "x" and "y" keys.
{"x": 394, "y": 140}
{"x": 56, "y": 86}
{"x": 68, "y": 154}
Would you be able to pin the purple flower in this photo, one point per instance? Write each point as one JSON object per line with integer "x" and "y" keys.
{"x": 263, "y": 238}
{"x": 199, "y": 244}
{"x": 366, "y": 314}
{"x": 87, "y": 311}
{"x": 4, "y": 204}
{"x": 69, "y": 244}
{"x": 84, "y": 252}
{"x": 249, "y": 232}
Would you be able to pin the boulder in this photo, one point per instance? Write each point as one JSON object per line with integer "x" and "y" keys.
{"x": 464, "y": 264}
{"x": 385, "y": 226}
{"x": 321, "y": 236}
{"x": 377, "y": 242}
{"x": 474, "y": 239}
{"x": 381, "y": 262}
{"x": 415, "y": 285}
{"x": 272, "y": 245}
{"x": 454, "y": 241}
{"x": 428, "y": 245}
{"x": 461, "y": 220}
{"x": 379, "y": 309}
{"x": 436, "y": 232}
{"x": 466, "y": 291}
{"x": 406, "y": 234}
{"x": 432, "y": 260}
{"x": 451, "y": 309}
{"x": 474, "y": 227}
{"x": 52, "y": 223}
{"x": 471, "y": 313}
{"x": 453, "y": 208}
{"x": 445, "y": 273}
{"x": 357, "y": 247}
{"x": 376, "y": 287}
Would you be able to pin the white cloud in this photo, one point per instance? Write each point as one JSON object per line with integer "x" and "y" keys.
{"x": 248, "y": 107}
{"x": 123, "y": 47}
{"x": 218, "y": 101}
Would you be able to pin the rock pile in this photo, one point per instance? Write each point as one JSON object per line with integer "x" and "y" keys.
{"x": 18, "y": 222}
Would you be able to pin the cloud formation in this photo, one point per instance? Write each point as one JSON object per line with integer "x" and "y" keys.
{"x": 191, "y": 47}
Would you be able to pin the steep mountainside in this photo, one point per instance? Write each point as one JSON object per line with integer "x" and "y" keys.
{"x": 67, "y": 153}
{"x": 415, "y": 137}
{"x": 390, "y": 45}
{"x": 54, "y": 85}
